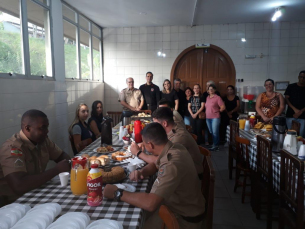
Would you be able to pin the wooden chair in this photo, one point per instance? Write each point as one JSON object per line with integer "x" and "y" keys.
{"x": 168, "y": 218}
{"x": 242, "y": 164}
{"x": 234, "y": 131}
{"x": 188, "y": 128}
{"x": 204, "y": 151}
{"x": 207, "y": 189}
{"x": 194, "y": 136}
{"x": 264, "y": 177}
{"x": 296, "y": 126}
{"x": 116, "y": 117}
{"x": 291, "y": 191}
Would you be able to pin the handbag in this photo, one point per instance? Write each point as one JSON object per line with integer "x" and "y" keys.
{"x": 201, "y": 115}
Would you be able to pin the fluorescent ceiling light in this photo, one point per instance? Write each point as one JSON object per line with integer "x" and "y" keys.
{"x": 278, "y": 13}
{"x": 243, "y": 40}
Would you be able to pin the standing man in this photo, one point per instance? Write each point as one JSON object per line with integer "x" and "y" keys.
{"x": 151, "y": 93}
{"x": 295, "y": 98}
{"x": 131, "y": 99}
{"x": 24, "y": 158}
{"x": 181, "y": 96}
{"x": 176, "y": 185}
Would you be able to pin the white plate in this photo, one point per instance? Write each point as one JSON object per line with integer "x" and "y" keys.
{"x": 39, "y": 212}
{"x": 114, "y": 149}
{"x": 105, "y": 224}
{"x": 17, "y": 212}
{"x": 4, "y": 225}
{"x": 5, "y": 220}
{"x": 45, "y": 218}
{"x": 65, "y": 224}
{"x": 40, "y": 222}
{"x": 11, "y": 216}
{"x": 21, "y": 207}
{"x": 82, "y": 218}
{"x": 50, "y": 207}
{"x": 126, "y": 187}
{"x": 26, "y": 225}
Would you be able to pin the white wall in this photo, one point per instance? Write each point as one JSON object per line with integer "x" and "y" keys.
{"x": 131, "y": 52}
{"x": 58, "y": 99}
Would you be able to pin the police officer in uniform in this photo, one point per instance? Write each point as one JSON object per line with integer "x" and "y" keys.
{"x": 177, "y": 117}
{"x": 176, "y": 134}
{"x": 151, "y": 93}
{"x": 24, "y": 158}
{"x": 176, "y": 185}
{"x": 131, "y": 99}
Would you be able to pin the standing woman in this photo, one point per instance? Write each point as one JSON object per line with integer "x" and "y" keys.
{"x": 187, "y": 116}
{"x": 270, "y": 103}
{"x": 96, "y": 119}
{"x": 79, "y": 130}
{"x": 232, "y": 104}
{"x": 195, "y": 106}
{"x": 214, "y": 105}
{"x": 169, "y": 94}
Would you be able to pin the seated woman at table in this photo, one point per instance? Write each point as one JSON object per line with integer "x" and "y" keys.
{"x": 25, "y": 155}
{"x": 79, "y": 129}
{"x": 270, "y": 103}
{"x": 170, "y": 94}
{"x": 96, "y": 119}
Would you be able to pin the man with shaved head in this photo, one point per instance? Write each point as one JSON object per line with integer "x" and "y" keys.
{"x": 24, "y": 158}
{"x": 131, "y": 99}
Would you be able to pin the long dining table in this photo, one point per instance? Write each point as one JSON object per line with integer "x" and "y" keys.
{"x": 130, "y": 216}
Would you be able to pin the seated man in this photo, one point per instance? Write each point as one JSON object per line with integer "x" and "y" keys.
{"x": 177, "y": 117}
{"x": 176, "y": 134}
{"x": 24, "y": 157}
{"x": 176, "y": 185}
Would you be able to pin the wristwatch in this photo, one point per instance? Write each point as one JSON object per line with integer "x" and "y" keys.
{"x": 140, "y": 151}
{"x": 118, "y": 194}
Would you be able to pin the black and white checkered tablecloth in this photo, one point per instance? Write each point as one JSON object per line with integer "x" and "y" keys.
{"x": 252, "y": 156}
{"x": 128, "y": 215}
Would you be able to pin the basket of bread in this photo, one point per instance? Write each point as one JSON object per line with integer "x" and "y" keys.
{"x": 260, "y": 125}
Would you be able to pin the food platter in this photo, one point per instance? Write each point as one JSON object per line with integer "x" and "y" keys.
{"x": 105, "y": 149}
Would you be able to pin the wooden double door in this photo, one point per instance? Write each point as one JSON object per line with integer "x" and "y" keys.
{"x": 199, "y": 65}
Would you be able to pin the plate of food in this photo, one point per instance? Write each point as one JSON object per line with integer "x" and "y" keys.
{"x": 120, "y": 156}
{"x": 104, "y": 149}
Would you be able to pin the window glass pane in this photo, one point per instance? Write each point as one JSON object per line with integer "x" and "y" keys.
{"x": 10, "y": 37}
{"x": 84, "y": 23}
{"x": 96, "y": 30}
{"x": 38, "y": 30}
{"x": 68, "y": 13}
{"x": 70, "y": 50}
{"x": 85, "y": 54}
{"x": 96, "y": 59}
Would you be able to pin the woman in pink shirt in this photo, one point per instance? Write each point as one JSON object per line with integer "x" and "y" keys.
{"x": 213, "y": 106}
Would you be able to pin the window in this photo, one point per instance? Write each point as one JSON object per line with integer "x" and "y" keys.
{"x": 96, "y": 58}
{"x": 85, "y": 55}
{"x": 70, "y": 50}
{"x": 11, "y": 60}
{"x": 39, "y": 39}
{"x": 82, "y": 41}
{"x": 25, "y": 41}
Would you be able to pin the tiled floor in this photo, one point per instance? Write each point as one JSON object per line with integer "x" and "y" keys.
{"x": 229, "y": 212}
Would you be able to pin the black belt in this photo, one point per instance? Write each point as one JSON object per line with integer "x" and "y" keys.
{"x": 193, "y": 219}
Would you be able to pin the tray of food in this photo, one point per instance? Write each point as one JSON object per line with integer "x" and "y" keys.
{"x": 105, "y": 149}
{"x": 262, "y": 132}
{"x": 262, "y": 126}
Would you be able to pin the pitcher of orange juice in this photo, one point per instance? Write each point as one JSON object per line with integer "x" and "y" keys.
{"x": 78, "y": 179}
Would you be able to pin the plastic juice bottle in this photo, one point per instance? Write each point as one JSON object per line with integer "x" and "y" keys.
{"x": 94, "y": 186}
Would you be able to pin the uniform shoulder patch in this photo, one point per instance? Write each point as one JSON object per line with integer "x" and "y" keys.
{"x": 161, "y": 171}
{"x": 16, "y": 152}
